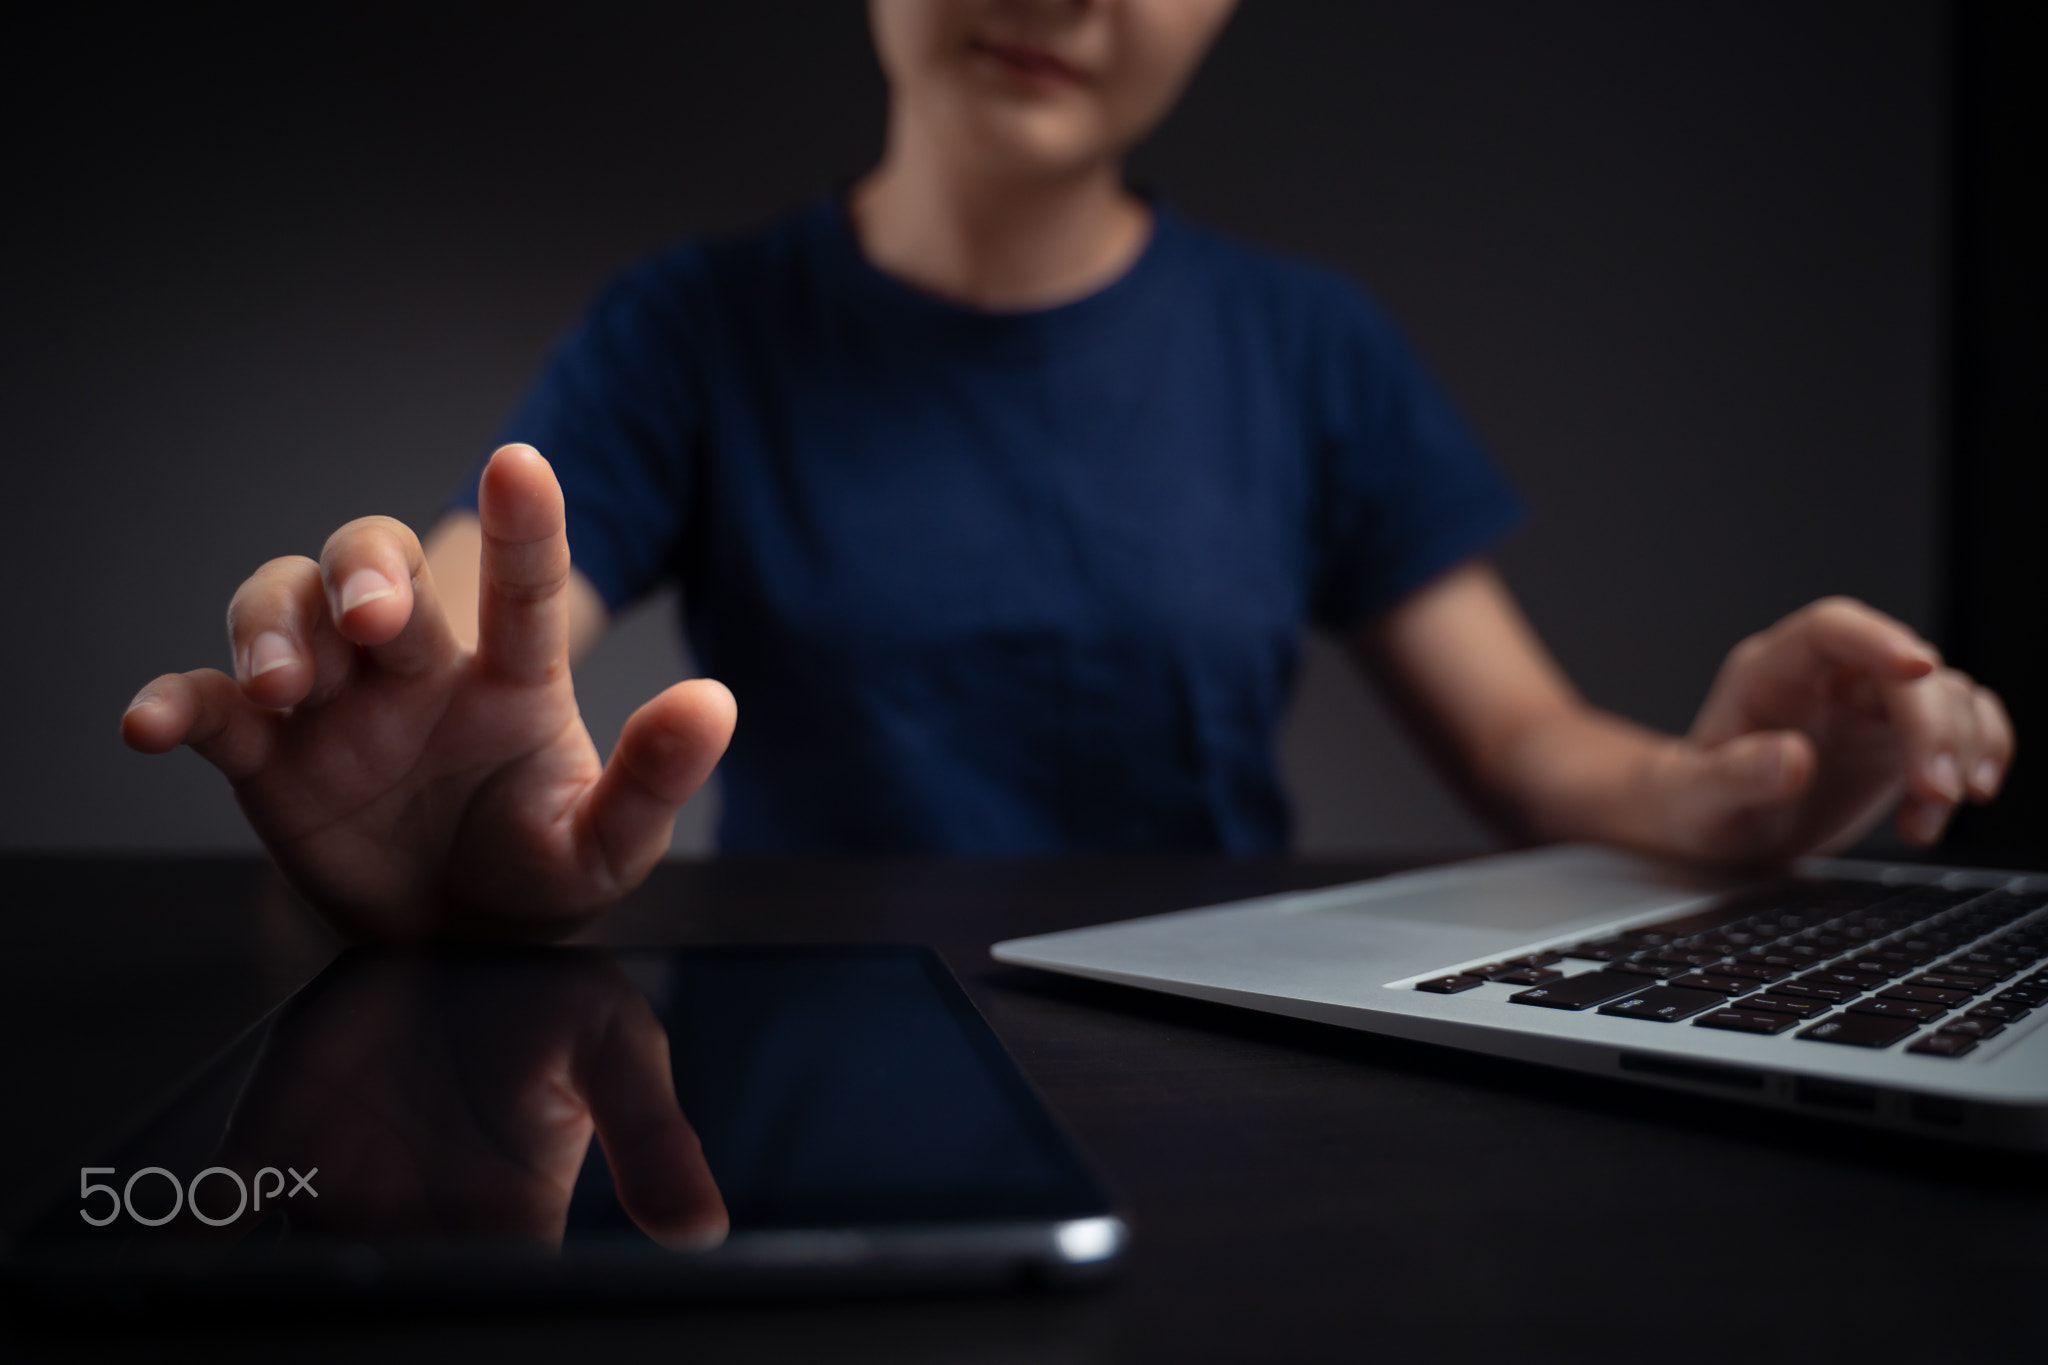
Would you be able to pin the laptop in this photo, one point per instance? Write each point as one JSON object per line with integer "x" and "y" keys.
{"x": 1905, "y": 997}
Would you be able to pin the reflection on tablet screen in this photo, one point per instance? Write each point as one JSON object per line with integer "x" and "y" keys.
{"x": 581, "y": 1120}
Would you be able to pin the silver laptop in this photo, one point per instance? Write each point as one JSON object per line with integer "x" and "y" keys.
{"x": 1905, "y": 997}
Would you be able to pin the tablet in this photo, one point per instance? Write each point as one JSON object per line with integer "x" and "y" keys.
{"x": 588, "y": 1123}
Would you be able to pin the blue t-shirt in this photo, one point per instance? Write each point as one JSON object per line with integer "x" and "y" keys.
{"x": 1003, "y": 582}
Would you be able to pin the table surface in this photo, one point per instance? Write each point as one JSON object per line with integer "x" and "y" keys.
{"x": 1299, "y": 1191}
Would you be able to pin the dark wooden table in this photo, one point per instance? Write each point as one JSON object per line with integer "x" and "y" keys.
{"x": 1299, "y": 1192}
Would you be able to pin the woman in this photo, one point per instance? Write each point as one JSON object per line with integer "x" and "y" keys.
{"x": 1001, "y": 496}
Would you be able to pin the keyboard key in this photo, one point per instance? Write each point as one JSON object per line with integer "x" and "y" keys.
{"x": 1940, "y": 981}
{"x": 1976, "y": 969}
{"x": 1601, "y": 950}
{"x": 1527, "y": 976}
{"x": 1873, "y": 969}
{"x": 1943, "y": 1045}
{"x": 1832, "y": 977}
{"x": 2004, "y": 1014}
{"x": 1798, "y": 1006}
{"x": 1918, "y": 1011}
{"x": 1685, "y": 957}
{"x": 1642, "y": 967}
{"x": 1926, "y": 995}
{"x": 1543, "y": 959}
{"x": 1449, "y": 985}
{"x": 1818, "y": 990}
{"x": 1751, "y": 971}
{"x": 1667, "y": 1004}
{"x": 1983, "y": 958}
{"x": 1974, "y": 1028}
{"x": 1707, "y": 981}
{"x": 1859, "y": 1030}
{"x": 2021, "y": 995}
{"x": 1746, "y": 1021}
{"x": 1579, "y": 992}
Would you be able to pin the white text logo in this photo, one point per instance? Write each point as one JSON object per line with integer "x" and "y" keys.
{"x": 187, "y": 1195}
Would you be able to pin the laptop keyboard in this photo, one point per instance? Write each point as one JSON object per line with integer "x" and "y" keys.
{"x": 1850, "y": 962}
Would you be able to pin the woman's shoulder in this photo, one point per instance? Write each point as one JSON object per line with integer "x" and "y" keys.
{"x": 1310, "y": 306}
{"x": 1293, "y": 288}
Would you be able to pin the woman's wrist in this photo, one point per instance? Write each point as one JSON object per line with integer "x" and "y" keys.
{"x": 1588, "y": 775}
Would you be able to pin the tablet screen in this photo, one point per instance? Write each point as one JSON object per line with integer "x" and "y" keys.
{"x": 551, "y": 1117}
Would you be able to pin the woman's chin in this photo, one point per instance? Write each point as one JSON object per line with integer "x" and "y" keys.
{"x": 1028, "y": 140}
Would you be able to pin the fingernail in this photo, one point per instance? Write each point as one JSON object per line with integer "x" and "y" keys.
{"x": 271, "y": 651}
{"x": 363, "y": 587}
{"x": 1946, "y": 777}
{"x": 143, "y": 698}
{"x": 705, "y": 1237}
{"x": 1985, "y": 776}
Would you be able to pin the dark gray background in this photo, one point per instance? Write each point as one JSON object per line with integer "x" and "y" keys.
{"x": 1682, "y": 263}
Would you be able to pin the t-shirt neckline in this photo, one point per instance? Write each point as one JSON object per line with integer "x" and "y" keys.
{"x": 1066, "y": 325}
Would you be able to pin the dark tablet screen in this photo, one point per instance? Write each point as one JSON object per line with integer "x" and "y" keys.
{"x": 677, "y": 1108}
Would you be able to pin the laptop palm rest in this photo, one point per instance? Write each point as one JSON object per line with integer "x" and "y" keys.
{"x": 1331, "y": 944}
{"x": 1533, "y": 895}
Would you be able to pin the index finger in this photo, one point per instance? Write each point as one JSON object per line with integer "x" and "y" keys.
{"x": 523, "y": 588}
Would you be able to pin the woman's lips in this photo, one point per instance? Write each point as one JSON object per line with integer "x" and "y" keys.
{"x": 1030, "y": 63}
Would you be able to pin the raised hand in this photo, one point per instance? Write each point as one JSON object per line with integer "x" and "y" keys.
{"x": 1820, "y": 724}
{"x": 409, "y": 785}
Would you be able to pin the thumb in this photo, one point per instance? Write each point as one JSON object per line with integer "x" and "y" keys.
{"x": 1730, "y": 800}
{"x": 657, "y": 1164}
{"x": 666, "y": 751}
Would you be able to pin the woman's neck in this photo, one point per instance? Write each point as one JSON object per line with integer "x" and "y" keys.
{"x": 1003, "y": 243}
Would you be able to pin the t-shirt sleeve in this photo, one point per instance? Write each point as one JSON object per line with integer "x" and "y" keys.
{"x": 1408, "y": 490}
{"x": 615, "y": 412}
